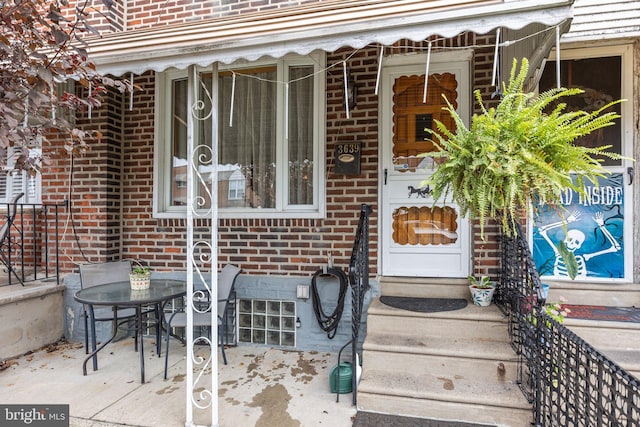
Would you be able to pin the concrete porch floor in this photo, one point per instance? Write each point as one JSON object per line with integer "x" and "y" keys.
{"x": 258, "y": 387}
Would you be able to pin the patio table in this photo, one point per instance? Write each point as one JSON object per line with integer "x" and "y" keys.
{"x": 120, "y": 294}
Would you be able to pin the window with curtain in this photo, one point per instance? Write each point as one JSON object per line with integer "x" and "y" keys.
{"x": 269, "y": 141}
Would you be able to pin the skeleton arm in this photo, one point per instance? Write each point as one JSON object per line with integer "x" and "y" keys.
{"x": 545, "y": 229}
{"x": 615, "y": 246}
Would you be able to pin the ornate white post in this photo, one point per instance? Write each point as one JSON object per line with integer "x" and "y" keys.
{"x": 202, "y": 256}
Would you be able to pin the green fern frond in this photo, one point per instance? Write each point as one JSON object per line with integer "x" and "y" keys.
{"x": 516, "y": 152}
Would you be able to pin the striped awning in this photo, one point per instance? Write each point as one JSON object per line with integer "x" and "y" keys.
{"x": 327, "y": 25}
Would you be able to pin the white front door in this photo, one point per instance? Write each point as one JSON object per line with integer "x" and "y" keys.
{"x": 418, "y": 237}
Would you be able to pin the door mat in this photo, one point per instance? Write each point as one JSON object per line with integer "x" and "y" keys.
{"x": 368, "y": 419}
{"x": 424, "y": 305}
{"x": 598, "y": 312}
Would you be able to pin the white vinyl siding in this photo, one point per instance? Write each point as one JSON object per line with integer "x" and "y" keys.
{"x": 597, "y": 20}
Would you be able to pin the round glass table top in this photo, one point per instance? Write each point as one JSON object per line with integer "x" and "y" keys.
{"x": 120, "y": 293}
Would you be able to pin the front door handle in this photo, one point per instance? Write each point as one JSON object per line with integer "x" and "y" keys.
{"x": 385, "y": 176}
{"x": 630, "y": 172}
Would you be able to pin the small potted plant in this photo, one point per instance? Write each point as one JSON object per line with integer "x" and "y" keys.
{"x": 140, "y": 278}
{"x": 481, "y": 290}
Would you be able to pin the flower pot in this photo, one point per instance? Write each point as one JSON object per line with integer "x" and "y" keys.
{"x": 481, "y": 296}
{"x": 140, "y": 281}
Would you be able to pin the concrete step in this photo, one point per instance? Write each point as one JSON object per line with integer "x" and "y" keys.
{"x": 465, "y": 323}
{"x": 30, "y": 317}
{"x": 607, "y": 294}
{"x": 443, "y": 397}
{"x": 629, "y": 360}
{"x": 456, "y": 366}
{"x": 480, "y": 366}
{"x": 606, "y": 334}
{"x": 593, "y": 293}
{"x": 619, "y": 341}
{"x": 479, "y": 347}
{"x": 421, "y": 287}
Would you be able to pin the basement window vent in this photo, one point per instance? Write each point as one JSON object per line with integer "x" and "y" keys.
{"x": 267, "y": 322}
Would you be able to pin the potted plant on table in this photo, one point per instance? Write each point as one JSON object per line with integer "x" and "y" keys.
{"x": 140, "y": 278}
{"x": 481, "y": 290}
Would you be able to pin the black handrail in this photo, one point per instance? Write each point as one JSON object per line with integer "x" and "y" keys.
{"x": 359, "y": 281}
{"x": 29, "y": 252}
{"x": 569, "y": 382}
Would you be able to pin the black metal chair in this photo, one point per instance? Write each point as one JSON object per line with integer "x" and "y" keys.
{"x": 226, "y": 293}
{"x": 100, "y": 274}
{"x": 5, "y": 238}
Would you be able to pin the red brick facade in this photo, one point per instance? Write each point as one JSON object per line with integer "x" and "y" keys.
{"x": 112, "y": 184}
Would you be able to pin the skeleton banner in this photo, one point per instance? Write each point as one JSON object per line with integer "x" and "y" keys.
{"x": 590, "y": 226}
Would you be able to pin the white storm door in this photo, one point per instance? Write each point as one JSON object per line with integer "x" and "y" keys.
{"x": 419, "y": 238}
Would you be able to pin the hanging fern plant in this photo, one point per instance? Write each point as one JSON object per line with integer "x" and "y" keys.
{"x": 517, "y": 153}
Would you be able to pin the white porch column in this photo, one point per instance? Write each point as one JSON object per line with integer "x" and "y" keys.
{"x": 202, "y": 255}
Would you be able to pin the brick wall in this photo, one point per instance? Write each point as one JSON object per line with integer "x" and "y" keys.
{"x": 125, "y": 15}
{"x": 260, "y": 246}
{"x": 145, "y": 13}
{"x": 112, "y": 184}
{"x": 101, "y": 18}
{"x": 90, "y": 181}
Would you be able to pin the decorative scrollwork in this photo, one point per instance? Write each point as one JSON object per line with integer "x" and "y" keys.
{"x": 202, "y": 205}
{"x": 201, "y": 396}
{"x": 200, "y": 105}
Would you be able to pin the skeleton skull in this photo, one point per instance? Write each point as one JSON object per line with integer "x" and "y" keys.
{"x": 574, "y": 239}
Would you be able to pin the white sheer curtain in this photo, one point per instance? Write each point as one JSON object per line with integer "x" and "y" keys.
{"x": 250, "y": 142}
{"x": 300, "y": 136}
{"x": 247, "y": 148}
{"x": 179, "y": 111}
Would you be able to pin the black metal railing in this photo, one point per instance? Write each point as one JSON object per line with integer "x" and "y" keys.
{"x": 519, "y": 296}
{"x": 359, "y": 281}
{"x": 569, "y": 382}
{"x": 576, "y": 385}
{"x": 29, "y": 249}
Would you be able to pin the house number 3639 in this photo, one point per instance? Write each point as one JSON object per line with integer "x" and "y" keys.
{"x": 348, "y": 148}
{"x": 348, "y": 158}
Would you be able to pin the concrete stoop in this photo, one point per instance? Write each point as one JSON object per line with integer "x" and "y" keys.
{"x": 30, "y": 317}
{"x": 453, "y": 367}
{"x": 606, "y": 294}
{"x": 458, "y": 368}
{"x": 619, "y": 341}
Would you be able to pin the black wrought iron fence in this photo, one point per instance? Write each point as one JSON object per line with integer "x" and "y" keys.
{"x": 568, "y": 382}
{"x": 576, "y": 385}
{"x": 29, "y": 243}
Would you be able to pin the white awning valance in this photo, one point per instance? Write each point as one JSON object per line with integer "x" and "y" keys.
{"x": 328, "y": 26}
